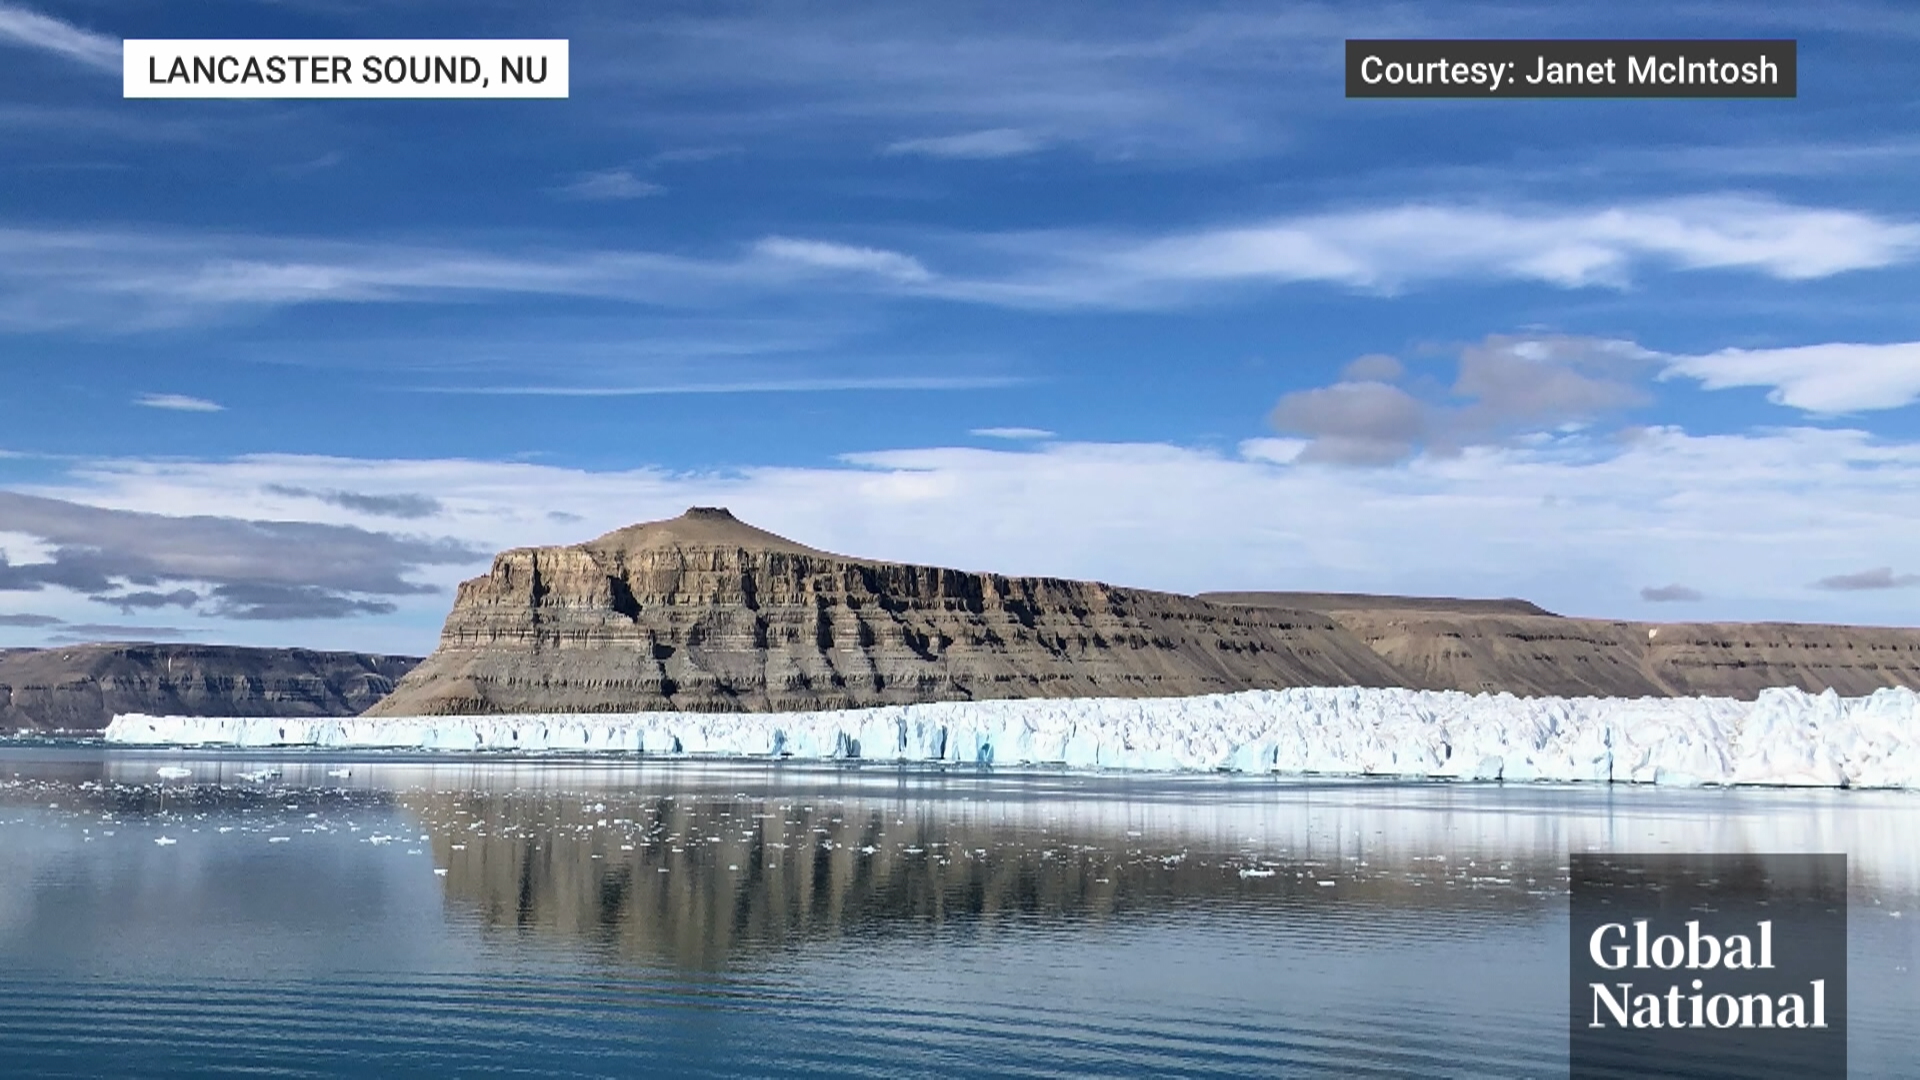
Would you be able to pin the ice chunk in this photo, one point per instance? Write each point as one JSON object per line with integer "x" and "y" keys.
{"x": 173, "y": 772}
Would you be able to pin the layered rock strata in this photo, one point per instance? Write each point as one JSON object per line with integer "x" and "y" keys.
{"x": 704, "y": 613}
{"x": 1474, "y": 649}
{"x": 82, "y": 687}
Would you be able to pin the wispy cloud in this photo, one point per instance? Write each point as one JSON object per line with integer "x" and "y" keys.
{"x": 1829, "y": 378}
{"x": 178, "y": 403}
{"x": 1135, "y": 85}
{"x": 25, "y": 27}
{"x": 75, "y": 633}
{"x": 826, "y": 255}
{"x": 406, "y": 505}
{"x": 978, "y": 145}
{"x": 690, "y": 155}
{"x": 1671, "y": 594}
{"x": 1394, "y": 248}
{"x": 51, "y": 279}
{"x": 1881, "y": 577}
{"x": 1020, "y": 433}
{"x": 609, "y": 185}
{"x": 761, "y": 386}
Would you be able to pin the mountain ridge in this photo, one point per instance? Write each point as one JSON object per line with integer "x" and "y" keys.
{"x": 707, "y": 613}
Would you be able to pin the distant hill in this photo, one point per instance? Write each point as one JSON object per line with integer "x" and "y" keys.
{"x": 81, "y": 687}
{"x": 1332, "y": 601}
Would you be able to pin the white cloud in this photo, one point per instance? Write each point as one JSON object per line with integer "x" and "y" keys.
{"x": 1578, "y": 524}
{"x": 178, "y": 403}
{"x": 1142, "y": 83}
{"x": 609, "y": 184}
{"x": 1828, "y": 378}
{"x": 826, "y": 255}
{"x": 750, "y": 386}
{"x": 979, "y": 145}
{"x": 1012, "y": 433}
{"x": 52, "y": 279}
{"x": 21, "y": 26}
{"x": 1395, "y": 247}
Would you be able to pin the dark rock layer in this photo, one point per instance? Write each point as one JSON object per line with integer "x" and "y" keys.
{"x": 81, "y": 687}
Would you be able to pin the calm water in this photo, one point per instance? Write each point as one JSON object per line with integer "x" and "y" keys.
{"x": 465, "y": 916}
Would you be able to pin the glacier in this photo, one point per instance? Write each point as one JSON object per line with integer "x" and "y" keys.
{"x": 1785, "y": 737}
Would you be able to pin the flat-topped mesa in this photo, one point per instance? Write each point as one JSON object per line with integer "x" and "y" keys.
{"x": 707, "y": 613}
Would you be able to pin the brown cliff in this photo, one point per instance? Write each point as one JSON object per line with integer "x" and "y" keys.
{"x": 81, "y": 687}
{"x": 1465, "y": 645}
{"x": 706, "y": 613}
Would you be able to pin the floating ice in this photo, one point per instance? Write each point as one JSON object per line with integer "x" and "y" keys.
{"x": 1786, "y": 737}
{"x": 173, "y": 772}
{"x": 165, "y": 841}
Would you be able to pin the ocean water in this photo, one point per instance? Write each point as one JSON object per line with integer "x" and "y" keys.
{"x": 315, "y": 914}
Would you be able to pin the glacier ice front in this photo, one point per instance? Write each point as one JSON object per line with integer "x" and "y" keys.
{"x": 1786, "y": 737}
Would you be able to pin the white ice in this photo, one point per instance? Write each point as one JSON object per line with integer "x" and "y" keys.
{"x": 1786, "y": 737}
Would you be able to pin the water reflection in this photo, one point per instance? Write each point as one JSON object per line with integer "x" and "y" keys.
{"x": 697, "y": 878}
{"x": 482, "y": 913}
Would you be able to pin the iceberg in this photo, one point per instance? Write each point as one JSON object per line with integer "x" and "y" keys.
{"x": 1785, "y": 737}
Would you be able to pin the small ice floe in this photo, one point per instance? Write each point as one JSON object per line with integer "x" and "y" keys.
{"x": 278, "y": 839}
{"x": 259, "y": 776}
{"x": 173, "y": 772}
{"x": 226, "y": 828}
{"x": 165, "y": 841}
{"x": 1326, "y": 884}
{"x": 339, "y": 774}
{"x": 1257, "y": 871}
{"x": 868, "y": 850}
{"x": 439, "y": 871}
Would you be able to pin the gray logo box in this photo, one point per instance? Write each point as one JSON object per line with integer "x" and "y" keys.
{"x": 1708, "y": 966}
{"x": 1504, "y": 68}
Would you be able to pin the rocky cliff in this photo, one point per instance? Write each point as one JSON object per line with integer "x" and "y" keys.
{"x": 81, "y": 687}
{"x": 705, "y": 613}
{"x": 1467, "y": 645}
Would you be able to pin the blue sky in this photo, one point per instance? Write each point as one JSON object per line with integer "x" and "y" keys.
{"x": 1119, "y": 291}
